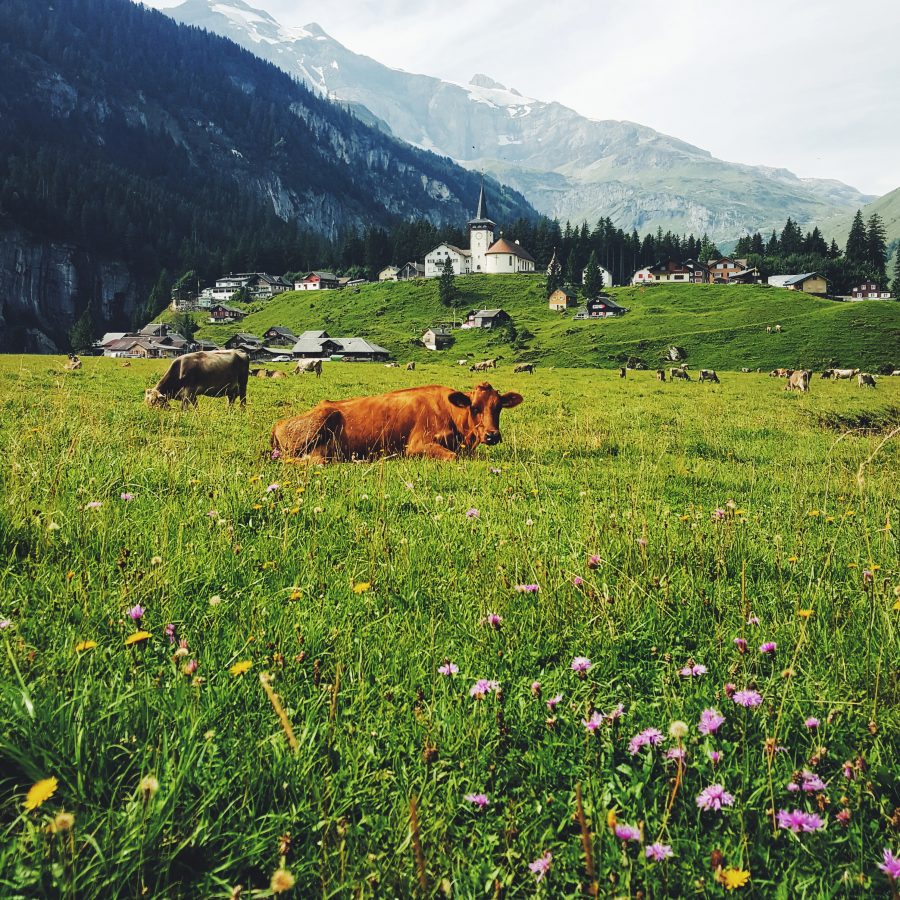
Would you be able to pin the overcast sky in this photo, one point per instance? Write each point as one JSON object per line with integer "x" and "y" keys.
{"x": 813, "y": 87}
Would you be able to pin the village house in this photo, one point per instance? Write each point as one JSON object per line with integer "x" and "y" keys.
{"x": 808, "y": 283}
{"x": 259, "y": 286}
{"x": 721, "y": 270}
{"x": 249, "y": 343}
{"x": 562, "y": 299}
{"x": 319, "y": 345}
{"x": 601, "y": 307}
{"x": 154, "y": 341}
{"x": 869, "y": 290}
{"x": 317, "y": 281}
{"x": 222, "y": 314}
{"x": 672, "y": 272}
{"x": 411, "y": 270}
{"x": 438, "y": 337}
{"x": 389, "y": 273}
{"x": 486, "y": 318}
{"x": 280, "y": 337}
{"x": 484, "y": 254}
{"x": 747, "y": 276}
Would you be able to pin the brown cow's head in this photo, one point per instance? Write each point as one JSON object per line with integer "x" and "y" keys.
{"x": 155, "y": 399}
{"x": 484, "y": 405}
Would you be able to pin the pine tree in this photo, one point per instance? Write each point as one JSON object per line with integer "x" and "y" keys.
{"x": 185, "y": 325}
{"x": 81, "y": 335}
{"x": 593, "y": 277}
{"x": 895, "y": 284}
{"x": 857, "y": 251}
{"x": 876, "y": 239}
{"x": 554, "y": 274}
{"x": 834, "y": 251}
{"x": 446, "y": 287}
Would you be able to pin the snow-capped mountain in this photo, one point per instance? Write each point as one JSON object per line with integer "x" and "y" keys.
{"x": 567, "y": 165}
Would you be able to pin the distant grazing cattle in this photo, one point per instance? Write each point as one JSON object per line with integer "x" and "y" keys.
{"x": 623, "y": 372}
{"x": 278, "y": 375}
{"x": 780, "y": 373}
{"x": 844, "y": 373}
{"x": 744, "y": 369}
{"x": 484, "y": 365}
{"x": 777, "y": 329}
{"x": 434, "y": 421}
{"x": 864, "y": 379}
{"x": 207, "y": 373}
{"x": 73, "y": 363}
{"x": 525, "y": 367}
{"x": 391, "y": 366}
{"x": 896, "y": 372}
{"x": 799, "y": 381}
{"x": 679, "y": 373}
{"x": 709, "y": 375}
{"x": 125, "y": 365}
{"x": 309, "y": 365}
{"x": 768, "y": 329}
{"x": 660, "y": 374}
{"x": 410, "y": 367}
{"x": 827, "y": 373}
{"x": 462, "y": 362}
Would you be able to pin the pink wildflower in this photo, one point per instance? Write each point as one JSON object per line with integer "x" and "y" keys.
{"x": 812, "y": 723}
{"x": 718, "y": 514}
{"x": 472, "y": 513}
{"x": 94, "y": 504}
{"x": 493, "y": 620}
{"x": 528, "y": 588}
{"x": 748, "y": 699}
{"x": 810, "y": 782}
{"x": 799, "y": 821}
{"x": 578, "y": 581}
{"x": 729, "y": 689}
{"x": 448, "y": 668}
{"x": 715, "y": 756}
{"x": 741, "y": 644}
{"x": 843, "y": 817}
{"x": 274, "y": 486}
{"x": 137, "y": 612}
{"x": 595, "y": 721}
{"x": 752, "y": 619}
{"x": 768, "y": 647}
{"x": 535, "y": 689}
{"x": 478, "y": 800}
{"x": 692, "y": 671}
{"x": 541, "y": 866}
{"x": 711, "y": 720}
{"x": 649, "y": 737}
{"x": 714, "y": 797}
{"x": 676, "y": 753}
{"x": 580, "y": 666}
{"x": 615, "y": 714}
{"x": 170, "y": 632}
{"x": 891, "y": 865}
{"x": 868, "y": 576}
{"x": 627, "y": 833}
{"x": 126, "y": 496}
{"x": 483, "y": 687}
{"x": 593, "y": 561}
{"x": 553, "y": 702}
{"x": 275, "y": 454}
{"x": 190, "y": 667}
{"x": 658, "y": 852}
{"x": 848, "y": 771}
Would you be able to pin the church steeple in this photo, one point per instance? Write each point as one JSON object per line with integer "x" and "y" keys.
{"x": 481, "y": 220}
{"x": 482, "y": 209}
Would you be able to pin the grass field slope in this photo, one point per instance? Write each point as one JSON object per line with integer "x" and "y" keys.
{"x": 659, "y": 622}
{"x": 720, "y": 326}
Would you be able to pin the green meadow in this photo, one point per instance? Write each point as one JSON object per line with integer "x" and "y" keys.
{"x": 219, "y": 671}
{"x": 719, "y": 326}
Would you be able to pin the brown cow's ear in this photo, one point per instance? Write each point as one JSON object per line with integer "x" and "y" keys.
{"x": 459, "y": 399}
{"x": 507, "y": 401}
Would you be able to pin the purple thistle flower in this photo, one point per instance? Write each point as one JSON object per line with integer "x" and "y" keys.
{"x": 615, "y": 714}
{"x": 478, "y": 800}
{"x": 94, "y": 504}
{"x": 493, "y": 620}
{"x": 274, "y": 486}
{"x": 748, "y": 699}
{"x": 170, "y": 632}
{"x": 792, "y": 786}
{"x": 676, "y": 753}
{"x": 448, "y": 668}
{"x": 472, "y": 513}
{"x": 843, "y": 817}
{"x": 593, "y": 561}
{"x": 126, "y": 496}
{"x": 137, "y": 612}
{"x": 595, "y": 721}
{"x": 810, "y": 782}
{"x": 729, "y": 689}
{"x": 649, "y": 737}
{"x": 275, "y": 454}
{"x": 741, "y": 644}
{"x": 627, "y": 833}
{"x": 483, "y": 687}
{"x": 692, "y": 671}
{"x": 553, "y": 702}
{"x": 718, "y": 514}
{"x": 812, "y": 723}
{"x": 798, "y": 821}
{"x": 711, "y": 720}
{"x": 891, "y": 865}
{"x": 848, "y": 771}
{"x": 580, "y": 666}
{"x": 528, "y": 588}
{"x": 768, "y": 647}
{"x": 868, "y": 576}
{"x": 752, "y": 619}
{"x": 658, "y": 852}
{"x": 715, "y": 756}
{"x": 541, "y": 865}
{"x": 578, "y": 581}
{"x": 714, "y": 798}
{"x": 535, "y": 689}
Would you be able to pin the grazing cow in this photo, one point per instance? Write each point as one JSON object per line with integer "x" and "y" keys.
{"x": 524, "y": 367}
{"x": 125, "y": 365}
{"x": 309, "y": 365}
{"x": 895, "y": 372}
{"x": 622, "y": 372}
{"x": 462, "y": 362}
{"x": 261, "y": 373}
{"x": 207, "y": 373}
{"x": 827, "y": 373}
{"x": 278, "y": 375}
{"x": 73, "y": 363}
{"x": 679, "y": 373}
{"x": 844, "y": 373}
{"x": 410, "y": 367}
{"x": 780, "y": 373}
{"x": 768, "y": 329}
{"x": 660, "y": 374}
{"x": 391, "y": 366}
{"x": 799, "y": 381}
{"x": 709, "y": 375}
{"x": 434, "y": 421}
{"x": 864, "y": 379}
{"x": 777, "y": 329}
{"x": 484, "y": 365}
{"x": 744, "y": 369}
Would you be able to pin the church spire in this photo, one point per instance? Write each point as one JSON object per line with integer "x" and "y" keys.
{"x": 482, "y": 207}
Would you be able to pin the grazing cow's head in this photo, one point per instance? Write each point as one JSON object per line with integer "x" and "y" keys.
{"x": 153, "y": 398}
{"x": 484, "y": 405}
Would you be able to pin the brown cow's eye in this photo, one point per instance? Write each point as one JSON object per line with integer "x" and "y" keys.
{"x": 476, "y": 410}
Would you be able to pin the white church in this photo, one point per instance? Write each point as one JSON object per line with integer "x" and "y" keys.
{"x": 486, "y": 255}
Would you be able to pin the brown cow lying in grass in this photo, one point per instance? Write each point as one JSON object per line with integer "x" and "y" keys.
{"x": 433, "y": 421}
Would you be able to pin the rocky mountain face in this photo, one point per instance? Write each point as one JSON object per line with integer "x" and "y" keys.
{"x": 568, "y": 166}
{"x": 131, "y": 144}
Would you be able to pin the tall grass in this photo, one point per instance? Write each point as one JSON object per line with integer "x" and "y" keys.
{"x": 347, "y": 587}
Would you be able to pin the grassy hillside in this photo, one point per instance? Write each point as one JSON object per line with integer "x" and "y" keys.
{"x": 722, "y": 326}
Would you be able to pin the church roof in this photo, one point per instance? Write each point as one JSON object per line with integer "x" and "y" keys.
{"x": 481, "y": 216}
{"x": 505, "y": 246}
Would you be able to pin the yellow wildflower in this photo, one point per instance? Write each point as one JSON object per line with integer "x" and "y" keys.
{"x": 612, "y": 819}
{"x": 804, "y": 613}
{"x": 282, "y": 881}
{"x": 240, "y": 667}
{"x": 362, "y": 587}
{"x": 257, "y": 506}
{"x": 136, "y": 638}
{"x": 852, "y": 566}
{"x": 896, "y": 606}
{"x": 63, "y": 821}
{"x": 296, "y": 594}
{"x": 39, "y": 792}
{"x": 85, "y": 645}
{"x": 813, "y": 513}
{"x": 734, "y": 878}
{"x": 793, "y": 559}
